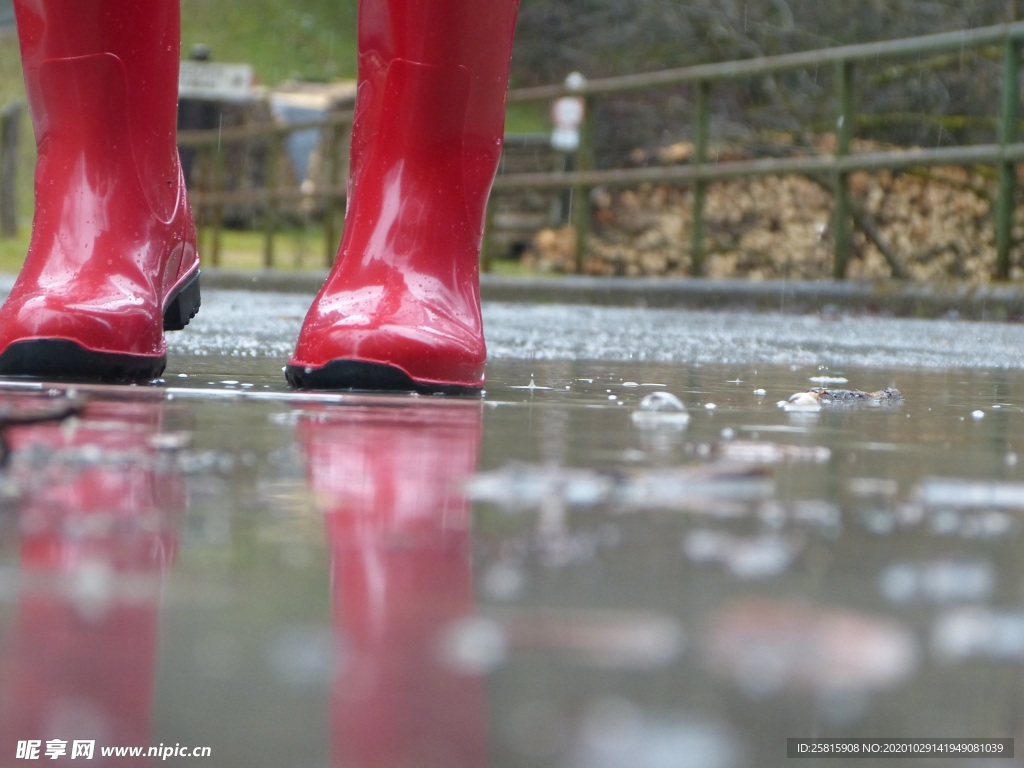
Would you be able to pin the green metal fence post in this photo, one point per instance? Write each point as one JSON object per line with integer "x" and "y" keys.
{"x": 844, "y": 133}
{"x": 700, "y": 157}
{"x": 1007, "y": 168}
{"x": 581, "y": 194}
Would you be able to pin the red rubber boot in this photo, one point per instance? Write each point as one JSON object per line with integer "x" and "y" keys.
{"x": 401, "y": 307}
{"x": 112, "y": 262}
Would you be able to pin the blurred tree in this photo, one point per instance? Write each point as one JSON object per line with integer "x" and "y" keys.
{"x": 602, "y": 38}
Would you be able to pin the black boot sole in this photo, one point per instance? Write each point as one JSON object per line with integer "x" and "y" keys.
{"x": 65, "y": 360}
{"x": 355, "y": 375}
{"x": 184, "y": 305}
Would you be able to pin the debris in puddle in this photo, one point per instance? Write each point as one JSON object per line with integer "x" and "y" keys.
{"x": 868, "y": 487}
{"x": 766, "y": 646}
{"x": 964, "y": 633}
{"x": 604, "y": 638}
{"x": 977, "y": 415}
{"x": 171, "y": 441}
{"x": 760, "y": 392}
{"x": 985, "y": 524}
{"x": 504, "y": 582}
{"x": 814, "y": 399}
{"x": 24, "y": 409}
{"x": 829, "y": 379}
{"x": 615, "y": 732}
{"x": 473, "y": 645}
{"x": 818, "y": 513}
{"x": 764, "y": 452}
{"x": 938, "y": 581}
{"x": 660, "y": 409}
{"x": 745, "y": 557}
{"x": 953, "y": 493}
{"x": 523, "y": 486}
{"x": 519, "y": 486}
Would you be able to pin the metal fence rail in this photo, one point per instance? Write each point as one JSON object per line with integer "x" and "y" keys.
{"x": 1003, "y": 155}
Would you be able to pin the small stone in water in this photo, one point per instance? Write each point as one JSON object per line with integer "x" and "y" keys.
{"x": 766, "y": 646}
{"x": 802, "y": 401}
{"x": 979, "y": 632}
{"x": 938, "y": 581}
{"x": 615, "y": 732}
{"x": 661, "y": 401}
{"x": 660, "y": 408}
{"x": 473, "y": 645}
{"x": 978, "y": 415}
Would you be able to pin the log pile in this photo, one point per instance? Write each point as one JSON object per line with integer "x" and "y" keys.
{"x": 932, "y": 224}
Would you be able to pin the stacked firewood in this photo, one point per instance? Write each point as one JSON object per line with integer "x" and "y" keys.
{"x": 929, "y": 224}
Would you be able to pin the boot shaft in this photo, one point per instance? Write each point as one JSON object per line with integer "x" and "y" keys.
{"x": 472, "y": 34}
{"x": 143, "y": 38}
{"x": 433, "y": 79}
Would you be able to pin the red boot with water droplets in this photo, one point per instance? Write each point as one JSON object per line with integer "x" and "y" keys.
{"x": 401, "y": 307}
{"x": 112, "y": 262}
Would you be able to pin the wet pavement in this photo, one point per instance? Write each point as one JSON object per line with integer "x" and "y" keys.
{"x": 633, "y": 550}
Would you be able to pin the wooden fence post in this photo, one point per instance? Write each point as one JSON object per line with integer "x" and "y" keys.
{"x": 274, "y": 152}
{"x": 1007, "y": 168}
{"x": 10, "y": 121}
{"x": 333, "y": 139}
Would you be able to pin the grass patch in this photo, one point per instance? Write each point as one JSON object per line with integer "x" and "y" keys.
{"x": 13, "y": 249}
{"x": 296, "y": 248}
{"x": 300, "y": 39}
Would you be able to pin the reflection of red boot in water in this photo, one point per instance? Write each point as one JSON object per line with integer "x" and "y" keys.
{"x": 112, "y": 261}
{"x": 398, "y": 529}
{"x": 97, "y": 534}
{"x": 401, "y": 308}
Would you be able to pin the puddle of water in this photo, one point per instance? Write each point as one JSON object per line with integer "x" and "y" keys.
{"x": 573, "y": 568}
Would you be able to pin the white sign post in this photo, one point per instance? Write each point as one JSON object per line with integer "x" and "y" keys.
{"x": 567, "y": 115}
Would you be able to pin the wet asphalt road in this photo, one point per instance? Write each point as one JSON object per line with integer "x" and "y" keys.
{"x": 247, "y": 324}
{"x": 834, "y": 327}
